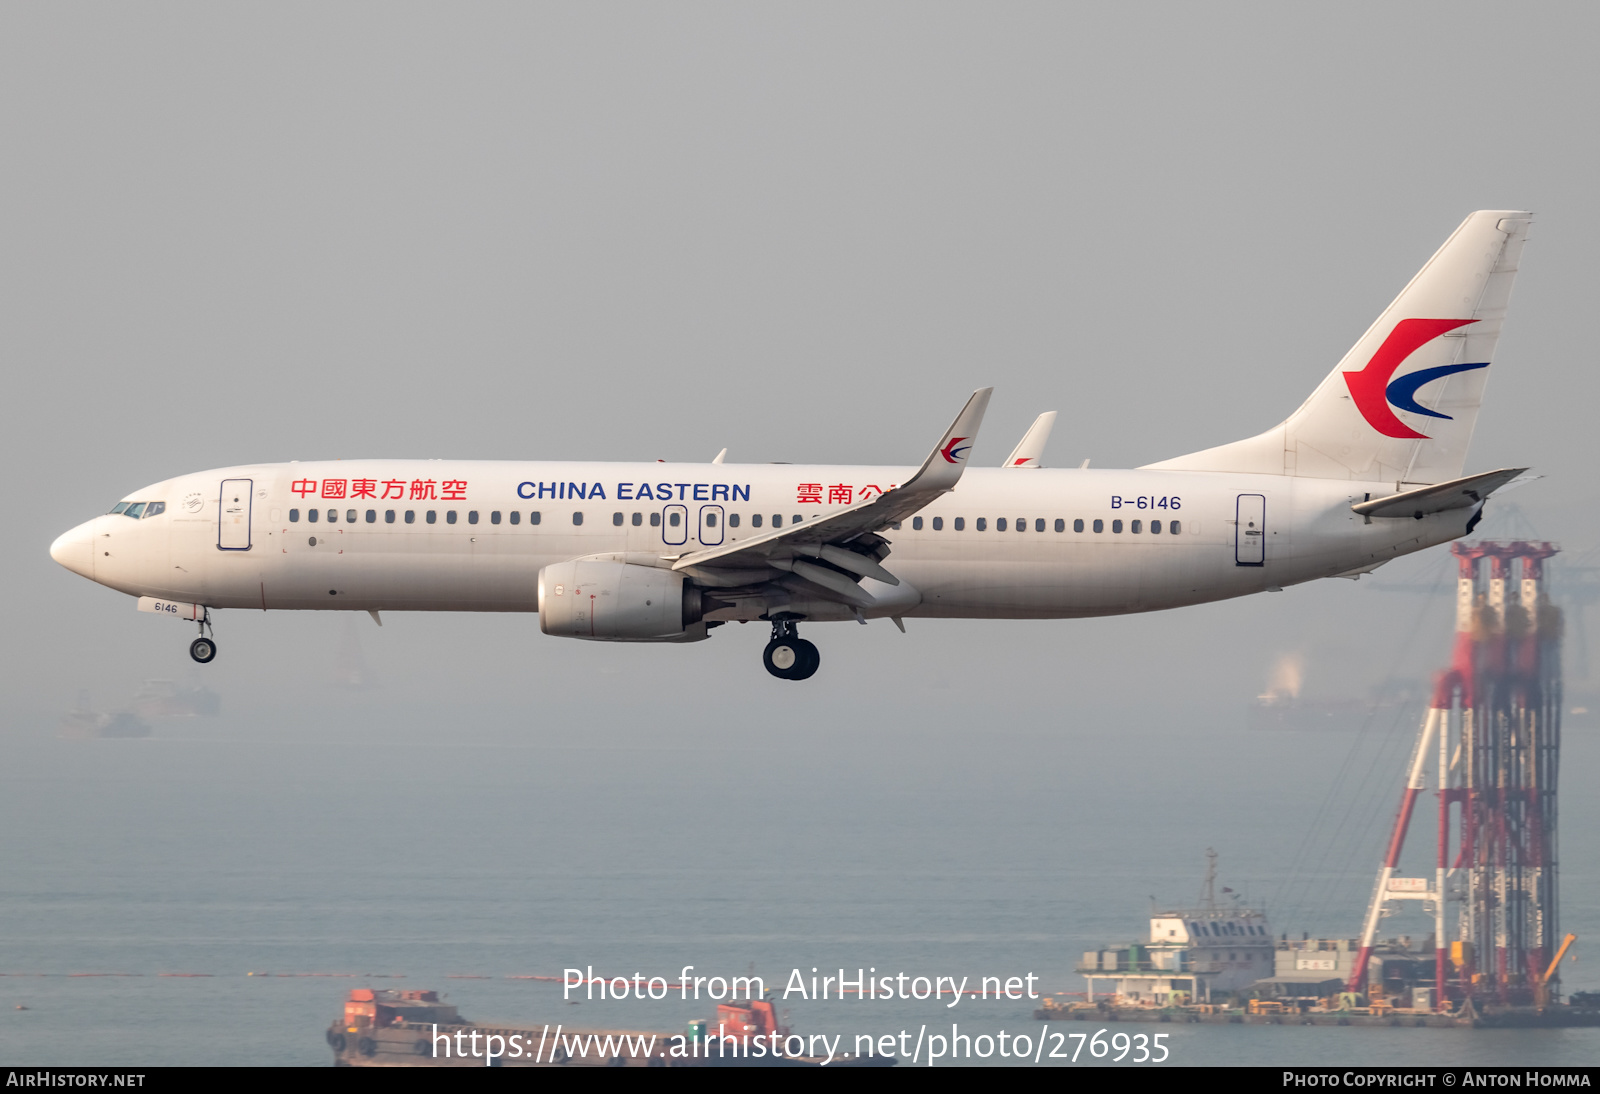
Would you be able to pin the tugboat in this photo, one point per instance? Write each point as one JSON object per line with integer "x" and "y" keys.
{"x": 388, "y": 1028}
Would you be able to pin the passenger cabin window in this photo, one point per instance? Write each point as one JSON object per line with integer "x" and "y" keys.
{"x": 1038, "y": 525}
{"x": 432, "y": 517}
{"x": 1155, "y": 528}
{"x": 711, "y": 520}
{"x": 372, "y": 516}
{"x": 117, "y": 508}
{"x": 472, "y": 516}
{"x": 533, "y": 517}
{"x": 388, "y": 516}
{"x": 999, "y": 524}
{"x": 155, "y": 509}
{"x": 1099, "y": 525}
{"x": 916, "y": 524}
{"x": 450, "y": 516}
{"x": 294, "y": 516}
{"x": 961, "y": 524}
{"x": 938, "y": 524}
{"x": 494, "y": 517}
{"x": 411, "y": 516}
{"x": 333, "y": 516}
{"x": 616, "y": 519}
{"x": 577, "y": 518}
{"x": 515, "y": 517}
{"x": 1116, "y": 527}
{"x": 755, "y": 520}
{"x": 674, "y": 519}
{"x": 655, "y": 520}
{"x": 350, "y": 516}
{"x": 1175, "y": 527}
{"x": 733, "y": 520}
{"x": 313, "y": 514}
{"x": 796, "y": 519}
{"x": 638, "y": 519}
{"x": 135, "y": 510}
{"x": 1136, "y": 526}
{"x": 1077, "y": 525}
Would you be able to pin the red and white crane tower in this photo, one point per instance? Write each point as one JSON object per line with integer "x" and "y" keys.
{"x": 1494, "y": 728}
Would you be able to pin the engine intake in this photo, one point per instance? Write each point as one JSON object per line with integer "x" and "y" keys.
{"x": 610, "y": 601}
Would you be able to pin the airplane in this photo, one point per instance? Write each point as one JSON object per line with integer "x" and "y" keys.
{"x": 1369, "y": 468}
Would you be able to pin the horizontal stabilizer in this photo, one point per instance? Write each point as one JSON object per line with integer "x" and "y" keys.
{"x": 1456, "y": 494}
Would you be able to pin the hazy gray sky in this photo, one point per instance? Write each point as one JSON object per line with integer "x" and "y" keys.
{"x": 804, "y": 232}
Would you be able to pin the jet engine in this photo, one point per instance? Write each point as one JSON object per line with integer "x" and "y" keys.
{"x": 611, "y": 601}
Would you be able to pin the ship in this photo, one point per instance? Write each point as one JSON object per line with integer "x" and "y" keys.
{"x": 83, "y": 722}
{"x": 1193, "y": 955}
{"x": 415, "y": 1028}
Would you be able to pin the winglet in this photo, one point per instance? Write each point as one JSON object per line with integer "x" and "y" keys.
{"x": 1030, "y": 450}
{"x": 942, "y": 469}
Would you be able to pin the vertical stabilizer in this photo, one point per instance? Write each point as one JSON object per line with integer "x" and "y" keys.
{"x": 1402, "y": 404}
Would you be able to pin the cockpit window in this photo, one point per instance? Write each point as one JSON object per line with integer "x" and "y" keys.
{"x": 117, "y": 508}
{"x": 155, "y": 509}
{"x": 134, "y": 510}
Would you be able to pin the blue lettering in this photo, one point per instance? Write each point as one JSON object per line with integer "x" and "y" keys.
{"x": 596, "y": 491}
{"x": 700, "y": 492}
{"x": 563, "y": 490}
{"x": 719, "y": 492}
{"x": 645, "y": 493}
{"x": 551, "y": 488}
{"x": 575, "y": 490}
{"x": 624, "y": 491}
{"x": 741, "y": 495}
{"x": 522, "y": 490}
{"x": 1116, "y": 503}
{"x": 682, "y": 486}
{"x": 663, "y": 491}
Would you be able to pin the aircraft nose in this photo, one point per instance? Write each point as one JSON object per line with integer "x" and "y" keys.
{"x": 75, "y": 550}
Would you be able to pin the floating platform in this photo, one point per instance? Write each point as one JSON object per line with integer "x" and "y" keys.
{"x": 1554, "y": 1016}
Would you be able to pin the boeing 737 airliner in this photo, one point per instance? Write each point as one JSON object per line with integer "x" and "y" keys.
{"x": 1370, "y": 467}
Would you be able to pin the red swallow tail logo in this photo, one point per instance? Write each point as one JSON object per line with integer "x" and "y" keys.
{"x": 953, "y": 454}
{"x": 1376, "y": 397}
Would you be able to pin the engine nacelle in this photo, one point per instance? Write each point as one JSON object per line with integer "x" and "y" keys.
{"x": 611, "y": 601}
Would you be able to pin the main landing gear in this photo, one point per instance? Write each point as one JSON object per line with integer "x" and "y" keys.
{"x": 204, "y": 648}
{"x": 788, "y": 656}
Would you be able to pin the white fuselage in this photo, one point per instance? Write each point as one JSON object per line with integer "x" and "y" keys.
{"x": 363, "y": 551}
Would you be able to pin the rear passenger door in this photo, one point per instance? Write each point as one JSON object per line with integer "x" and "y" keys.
{"x": 1250, "y": 531}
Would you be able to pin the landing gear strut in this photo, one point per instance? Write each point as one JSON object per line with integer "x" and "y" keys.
{"x": 204, "y": 648}
{"x": 788, "y": 656}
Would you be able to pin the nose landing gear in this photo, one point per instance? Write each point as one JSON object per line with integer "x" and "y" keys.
{"x": 788, "y": 656}
{"x": 204, "y": 649}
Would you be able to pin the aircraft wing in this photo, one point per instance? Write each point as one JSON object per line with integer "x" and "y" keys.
{"x": 834, "y": 551}
{"x": 1455, "y": 494}
{"x": 1030, "y": 450}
